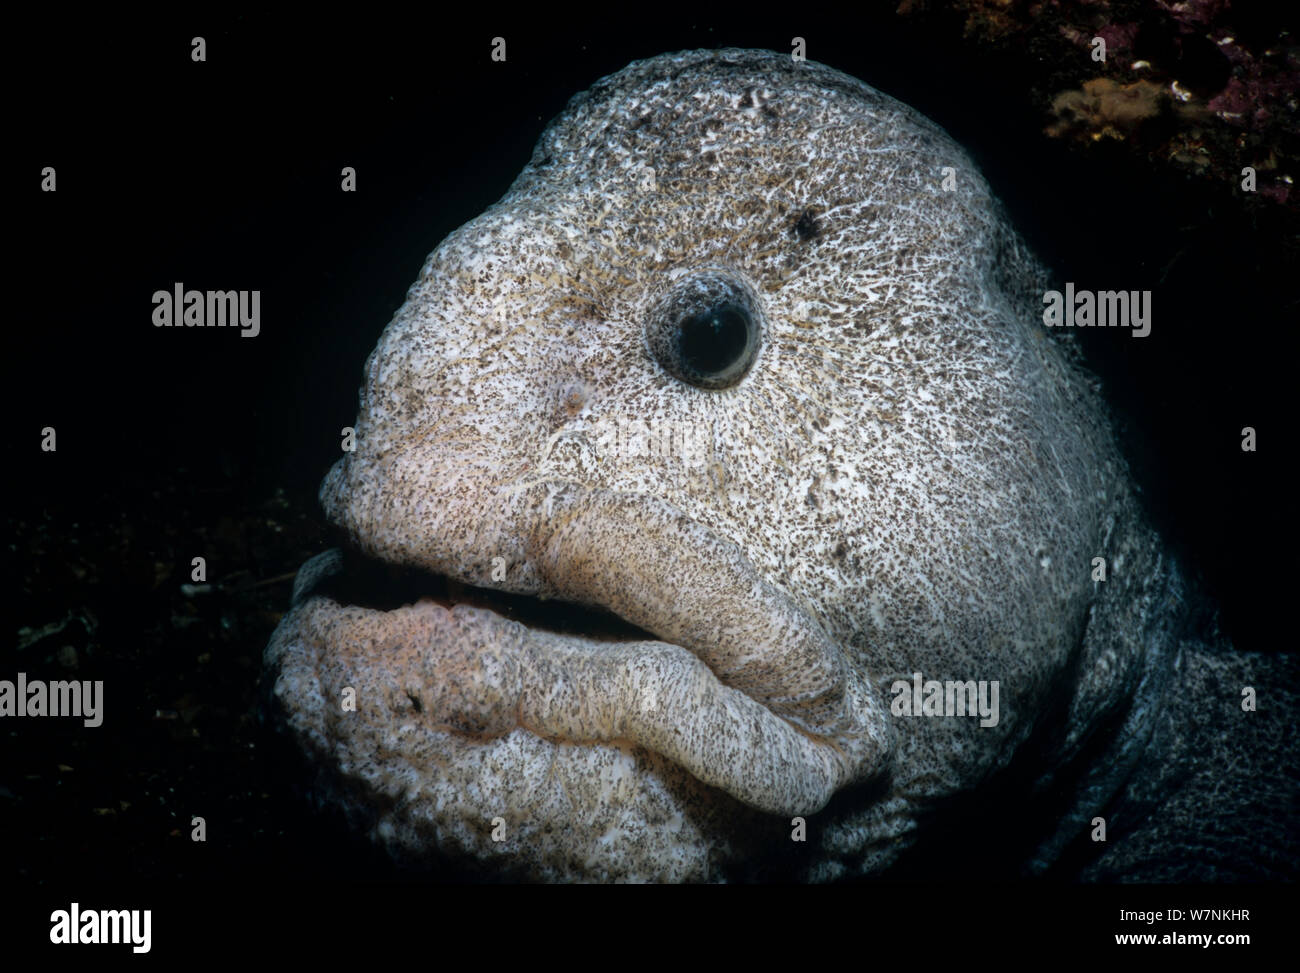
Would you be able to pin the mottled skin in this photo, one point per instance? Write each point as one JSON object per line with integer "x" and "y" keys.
{"x": 914, "y": 475}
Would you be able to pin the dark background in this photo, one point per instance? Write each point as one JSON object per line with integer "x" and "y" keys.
{"x": 180, "y": 442}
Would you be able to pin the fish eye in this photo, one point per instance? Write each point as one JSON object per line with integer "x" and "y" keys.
{"x": 712, "y": 342}
{"x": 705, "y": 330}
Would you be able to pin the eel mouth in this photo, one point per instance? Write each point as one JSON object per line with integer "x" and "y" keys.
{"x": 642, "y": 627}
{"x": 367, "y": 582}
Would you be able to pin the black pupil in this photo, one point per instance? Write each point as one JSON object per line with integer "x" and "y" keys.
{"x": 713, "y": 340}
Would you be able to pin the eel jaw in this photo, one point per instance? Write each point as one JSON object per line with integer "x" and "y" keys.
{"x": 737, "y": 684}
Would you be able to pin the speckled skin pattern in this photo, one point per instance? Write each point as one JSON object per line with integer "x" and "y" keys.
{"x": 914, "y": 476}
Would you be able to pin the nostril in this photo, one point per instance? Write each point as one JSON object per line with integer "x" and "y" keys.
{"x": 573, "y": 398}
